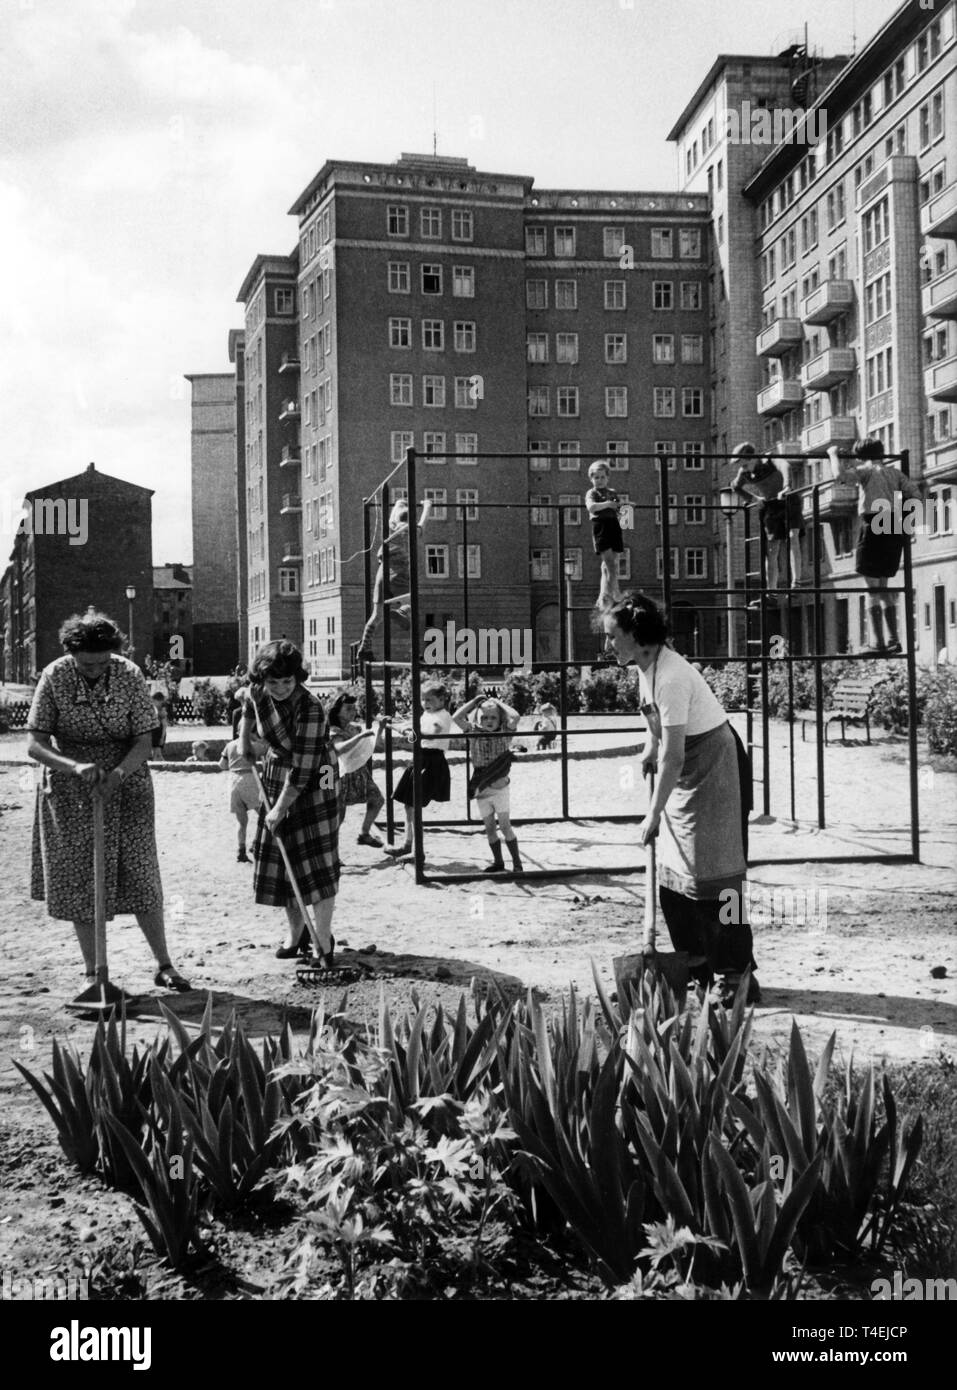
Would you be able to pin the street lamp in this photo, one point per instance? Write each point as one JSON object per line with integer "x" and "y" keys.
{"x": 728, "y": 502}
{"x": 570, "y": 569}
{"x": 130, "y": 596}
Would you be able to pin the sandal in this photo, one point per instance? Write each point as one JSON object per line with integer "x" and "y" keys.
{"x": 168, "y": 978}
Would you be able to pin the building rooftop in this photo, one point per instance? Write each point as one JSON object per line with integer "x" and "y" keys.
{"x": 266, "y": 264}
{"x": 437, "y": 164}
{"x": 174, "y": 576}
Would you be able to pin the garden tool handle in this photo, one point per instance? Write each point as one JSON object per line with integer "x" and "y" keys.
{"x": 99, "y": 887}
{"x": 285, "y": 854}
{"x": 651, "y": 881}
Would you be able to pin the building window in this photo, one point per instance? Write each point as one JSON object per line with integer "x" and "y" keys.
{"x": 466, "y": 445}
{"x": 566, "y": 294}
{"x": 536, "y": 241}
{"x": 433, "y": 392}
{"x": 431, "y": 279}
{"x": 696, "y": 562}
{"x": 462, "y": 229}
{"x": 694, "y": 509}
{"x": 876, "y": 225}
{"x": 541, "y": 513}
{"x": 566, "y": 347}
{"x": 401, "y": 440}
{"x": 694, "y": 455}
{"x": 567, "y": 400}
{"x": 289, "y": 580}
{"x": 572, "y": 504}
{"x": 664, "y": 402}
{"x": 536, "y": 347}
{"x": 467, "y": 392}
{"x": 433, "y": 445}
{"x": 463, "y": 282}
{"x": 614, "y": 448}
{"x": 541, "y": 564}
{"x": 665, "y": 448}
{"x": 284, "y": 301}
{"x": 689, "y": 244}
{"x": 536, "y": 294}
{"x": 569, "y": 452}
{"x": 463, "y": 335}
{"x": 692, "y": 401}
{"x": 436, "y": 495}
{"x": 466, "y": 499}
{"x": 672, "y": 509}
{"x": 662, "y": 294}
{"x": 430, "y": 224}
{"x": 433, "y": 335}
{"x": 616, "y": 402}
{"x": 437, "y": 561}
{"x": 663, "y": 347}
{"x": 538, "y": 401}
{"x": 564, "y": 241}
{"x": 474, "y": 561}
{"x": 400, "y": 333}
{"x": 397, "y": 220}
{"x": 613, "y": 242}
{"x": 692, "y": 347}
{"x": 674, "y": 562}
{"x": 399, "y": 279}
{"x": 615, "y": 297}
{"x": 662, "y": 240}
{"x": 539, "y": 451}
{"x": 616, "y": 348}
{"x": 623, "y": 564}
{"x": 400, "y": 388}
{"x": 691, "y": 294}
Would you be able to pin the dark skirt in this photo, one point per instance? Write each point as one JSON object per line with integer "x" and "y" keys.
{"x": 358, "y": 788}
{"x": 606, "y": 533}
{"x": 310, "y": 834}
{"x": 435, "y": 781}
{"x": 878, "y": 554}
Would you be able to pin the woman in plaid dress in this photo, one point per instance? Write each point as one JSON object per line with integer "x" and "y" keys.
{"x": 301, "y": 782}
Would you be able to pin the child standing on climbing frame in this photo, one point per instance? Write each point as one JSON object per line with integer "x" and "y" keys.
{"x": 603, "y": 506}
{"x": 489, "y": 783}
{"x": 399, "y": 581}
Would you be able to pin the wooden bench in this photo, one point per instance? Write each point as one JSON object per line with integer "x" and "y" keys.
{"x": 851, "y": 699}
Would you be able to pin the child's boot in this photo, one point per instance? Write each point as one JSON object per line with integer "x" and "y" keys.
{"x": 241, "y": 856}
{"x": 497, "y": 865}
{"x": 516, "y": 857}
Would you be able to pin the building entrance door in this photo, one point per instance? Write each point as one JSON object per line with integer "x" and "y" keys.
{"x": 547, "y": 620}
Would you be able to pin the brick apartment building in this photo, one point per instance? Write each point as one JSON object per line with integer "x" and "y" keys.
{"x": 214, "y": 507}
{"x": 460, "y": 312}
{"x": 173, "y": 615}
{"x": 48, "y": 577}
{"x": 836, "y": 300}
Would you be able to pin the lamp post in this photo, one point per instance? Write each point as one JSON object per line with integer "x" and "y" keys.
{"x": 130, "y": 596}
{"x": 728, "y": 502}
{"x": 570, "y": 568}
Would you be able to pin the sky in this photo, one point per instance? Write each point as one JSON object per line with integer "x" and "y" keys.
{"x": 150, "y": 149}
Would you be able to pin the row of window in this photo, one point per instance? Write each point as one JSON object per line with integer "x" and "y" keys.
{"x": 564, "y": 294}
{"x": 464, "y": 334}
{"x": 571, "y": 504}
{"x": 316, "y": 348}
{"x": 318, "y": 235}
{"x": 569, "y": 451}
{"x": 537, "y": 346}
{"x": 466, "y": 499}
{"x": 315, "y": 294}
{"x": 398, "y": 222}
{"x": 467, "y": 391}
{"x": 615, "y": 242}
{"x": 664, "y": 401}
{"x": 321, "y": 566}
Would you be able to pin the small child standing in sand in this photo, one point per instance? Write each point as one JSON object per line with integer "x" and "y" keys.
{"x": 354, "y": 748}
{"x": 200, "y": 750}
{"x": 546, "y": 724}
{"x": 489, "y": 784}
{"x": 436, "y": 783}
{"x": 243, "y": 792}
{"x": 603, "y": 507}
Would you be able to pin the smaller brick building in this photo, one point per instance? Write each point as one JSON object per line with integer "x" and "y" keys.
{"x": 173, "y": 615}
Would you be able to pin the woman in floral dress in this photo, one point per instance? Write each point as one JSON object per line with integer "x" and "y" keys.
{"x": 90, "y": 725}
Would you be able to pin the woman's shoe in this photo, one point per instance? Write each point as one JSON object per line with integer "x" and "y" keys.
{"x": 366, "y": 839}
{"x": 398, "y": 851}
{"x": 168, "y": 978}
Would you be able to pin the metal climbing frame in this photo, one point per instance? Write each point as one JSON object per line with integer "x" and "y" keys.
{"x": 757, "y": 660}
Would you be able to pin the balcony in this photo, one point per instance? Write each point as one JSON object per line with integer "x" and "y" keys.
{"x": 940, "y": 463}
{"x": 291, "y": 502}
{"x": 290, "y": 456}
{"x": 292, "y": 553}
{"x": 836, "y": 429}
{"x": 940, "y": 380}
{"x": 783, "y": 394}
{"x": 834, "y": 500}
{"x": 828, "y": 368}
{"x": 779, "y": 337}
{"x": 289, "y": 411}
{"x": 828, "y": 301}
{"x": 290, "y": 362}
{"x": 938, "y": 216}
{"x": 938, "y": 300}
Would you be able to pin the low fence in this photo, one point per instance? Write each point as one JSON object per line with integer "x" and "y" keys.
{"x": 14, "y": 715}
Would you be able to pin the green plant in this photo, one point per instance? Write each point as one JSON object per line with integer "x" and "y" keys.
{"x": 610, "y": 688}
{"x": 939, "y": 692}
{"x": 209, "y": 702}
{"x": 728, "y": 684}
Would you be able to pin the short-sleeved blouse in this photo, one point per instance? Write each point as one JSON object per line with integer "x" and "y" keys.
{"x": 115, "y": 710}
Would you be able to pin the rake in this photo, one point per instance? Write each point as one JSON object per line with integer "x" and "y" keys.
{"x": 102, "y": 996}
